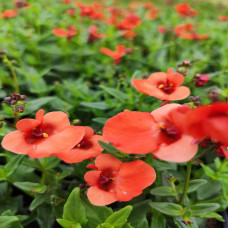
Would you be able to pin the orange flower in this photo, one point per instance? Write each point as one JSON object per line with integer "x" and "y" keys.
{"x": 153, "y": 14}
{"x": 9, "y": 13}
{"x": 115, "y": 55}
{"x": 185, "y": 10}
{"x": 163, "y": 86}
{"x": 208, "y": 120}
{"x": 93, "y": 34}
{"x": 129, "y": 22}
{"x": 113, "y": 180}
{"x": 70, "y": 32}
{"x": 187, "y": 31}
{"x": 43, "y": 136}
{"x": 87, "y": 148}
{"x": 223, "y": 18}
{"x": 158, "y": 132}
{"x": 174, "y": 144}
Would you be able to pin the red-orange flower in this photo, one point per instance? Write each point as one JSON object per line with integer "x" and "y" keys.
{"x": 163, "y": 86}
{"x": 115, "y": 55}
{"x": 153, "y": 14}
{"x": 70, "y": 32}
{"x": 113, "y": 180}
{"x": 43, "y": 136}
{"x": 87, "y": 148}
{"x": 208, "y": 120}
{"x": 9, "y": 13}
{"x": 158, "y": 132}
{"x": 94, "y": 35}
{"x": 129, "y": 22}
{"x": 187, "y": 31}
{"x": 223, "y": 18}
{"x": 185, "y": 10}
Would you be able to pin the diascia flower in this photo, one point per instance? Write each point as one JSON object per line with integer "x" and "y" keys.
{"x": 113, "y": 180}
{"x": 115, "y": 55}
{"x": 43, "y": 136}
{"x": 185, "y": 10}
{"x": 159, "y": 132}
{"x": 94, "y": 35}
{"x": 70, "y": 32}
{"x": 187, "y": 31}
{"x": 208, "y": 121}
{"x": 164, "y": 86}
{"x": 9, "y": 13}
{"x": 87, "y": 148}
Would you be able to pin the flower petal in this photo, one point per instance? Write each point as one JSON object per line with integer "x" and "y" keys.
{"x": 92, "y": 177}
{"x": 55, "y": 143}
{"x": 26, "y": 125}
{"x": 132, "y": 178}
{"x": 16, "y": 143}
{"x": 180, "y": 93}
{"x": 100, "y": 197}
{"x": 132, "y": 132}
{"x": 181, "y": 150}
{"x": 107, "y": 162}
{"x": 176, "y": 78}
{"x": 55, "y": 121}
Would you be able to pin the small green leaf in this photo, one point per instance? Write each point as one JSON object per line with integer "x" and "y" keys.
{"x": 105, "y": 225}
{"x": 10, "y": 222}
{"x": 68, "y": 224}
{"x": 158, "y": 220}
{"x": 119, "y": 218}
{"x": 170, "y": 209}
{"x": 163, "y": 191}
{"x": 203, "y": 208}
{"x": 32, "y": 187}
{"x": 209, "y": 172}
{"x": 115, "y": 93}
{"x": 13, "y": 164}
{"x": 111, "y": 149}
{"x": 213, "y": 215}
{"x": 38, "y": 200}
{"x": 193, "y": 185}
{"x": 95, "y": 105}
{"x": 73, "y": 209}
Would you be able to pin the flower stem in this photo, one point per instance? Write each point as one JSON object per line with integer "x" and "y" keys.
{"x": 186, "y": 183}
{"x": 200, "y": 155}
{"x": 10, "y": 65}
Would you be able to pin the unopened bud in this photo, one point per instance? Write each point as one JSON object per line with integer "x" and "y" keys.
{"x": 19, "y": 109}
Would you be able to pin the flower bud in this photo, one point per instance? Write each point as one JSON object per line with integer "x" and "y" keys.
{"x": 201, "y": 79}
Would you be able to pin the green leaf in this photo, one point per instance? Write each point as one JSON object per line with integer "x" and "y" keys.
{"x": 115, "y": 93}
{"x": 163, "y": 191}
{"x": 32, "y": 187}
{"x": 68, "y": 224}
{"x": 111, "y": 149}
{"x": 10, "y": 222}
{"x": 138, "y": 213}
{"x": 101, "y": 120}
{"x": 119, "y": 218}
{"x": 95, "y": 105}
{"x": 36, "y": 104}
{"x": 209, "y": 172}
{"x": 158, "y": 220}
{"x": 193, "y": 185}
{"x": 170, "y": 209}
{"x": 213, "y": 215}
{"x": 105, "y": 225}
{"x": 13, "y": 164}
{"x": 203, "y": 208}
{"x": 38, "y": 200}
{"x": 95, "y": 214}
{"x": 73, "y": 209}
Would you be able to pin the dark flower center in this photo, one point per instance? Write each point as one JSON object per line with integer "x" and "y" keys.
{"x": 38, "y": 133}
{"x": 171, "y": 132}
{"x": 166, "y": 87}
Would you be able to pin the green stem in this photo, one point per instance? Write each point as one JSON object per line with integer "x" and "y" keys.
{"x": 10, "y": 65}
{"x": 200, "y": 155}
{"x": 213, "y": 199}
{"x": 16, "y": 116}
{"x": 174, "y": 189}
{"x": 186, "y": 183}
{"x": 140, "y": 102}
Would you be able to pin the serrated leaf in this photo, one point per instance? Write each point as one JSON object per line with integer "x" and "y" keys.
{"x": 170, "y": 209}
{"x": 163, "y": 191}
{"x": 73, "y": 209}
